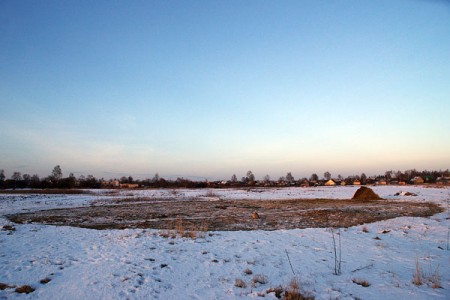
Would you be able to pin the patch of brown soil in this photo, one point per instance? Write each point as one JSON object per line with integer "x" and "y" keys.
{"x": 24, "y": 289}
{"x": 365, "y": 193}
{"x": 230, "y": 214}
{"x": 4, "y": 286}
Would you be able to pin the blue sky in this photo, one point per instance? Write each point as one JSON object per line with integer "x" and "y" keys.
{"x": 212, "y": 88}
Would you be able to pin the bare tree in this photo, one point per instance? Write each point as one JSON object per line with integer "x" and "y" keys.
{"x": 35, "y": 178}
{"x": 266, "y": 178}
{"x": 56, "y": 174}
{"x": 250, "y": 177}
{"x": 314, "y": 177}
{"x": 388, "y": 175}
{"x": 289, "y": 177}
{"x": 363, "y": 178}
{"x": 234, "y": 178}
{"x": 156, "y": 178}
{"x": 327, "y": 175}
{"x": 16, "y": 176}
{"x": 26, "y": 179}
{"x": 2, "y": 175}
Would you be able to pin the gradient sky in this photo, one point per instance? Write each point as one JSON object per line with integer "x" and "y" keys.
{"x": 212, "y": 88}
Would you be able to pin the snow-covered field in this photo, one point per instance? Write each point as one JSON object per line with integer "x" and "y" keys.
{"x": 141, "y": 264}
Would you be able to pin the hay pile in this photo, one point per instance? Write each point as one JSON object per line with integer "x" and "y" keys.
{"x": 365, "y": 193}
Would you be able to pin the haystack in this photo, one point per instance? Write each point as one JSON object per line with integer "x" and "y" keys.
{"x": 365, "y": 193}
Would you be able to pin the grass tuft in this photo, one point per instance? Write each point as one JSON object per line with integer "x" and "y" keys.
{"x": 361, "y": 282}
{"x": 292, "y": 292}
{"x": 258, "y": 279}
{"x": 417, "y": 276}
{"x": 434, "y": 279}
{"x": 240, "y": 283}
{"x": 185, "y": 230}
{"x": 277, "y": 290}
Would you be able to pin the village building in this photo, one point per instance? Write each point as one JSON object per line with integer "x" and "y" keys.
{"x": 417, "y": 180}
{"x": 129, "y": 185}
{"x": 304, "y": 183}
{"x": 113, "y": 183}
{"x": 330, "y": 183}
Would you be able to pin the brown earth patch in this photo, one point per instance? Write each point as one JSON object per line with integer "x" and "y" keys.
{"x": 365, "y": 193}
{"x": 229, "y": 214}
{"x": 24, "y": 289}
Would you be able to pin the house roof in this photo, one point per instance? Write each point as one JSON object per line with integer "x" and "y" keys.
{"x": 330, "y": 182}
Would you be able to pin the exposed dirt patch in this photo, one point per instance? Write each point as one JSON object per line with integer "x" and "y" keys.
{"x": 24, "y": 289}
{"x": 365, "y": 193}
{"x": 229, "y": 214}
{"x": 4, "y": 286}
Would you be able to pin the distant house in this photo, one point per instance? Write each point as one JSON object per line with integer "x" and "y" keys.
{"x": 443, "y": 180}
{"x": 129, "y": 185}
{"x": 417, "y": 180}
{"x": 381, "y": 182}
{"x": 110, "y": 183}
{"x": 356, "y": 182}
{"x": 343, "y": 182}
{"x": 330, "y": 183}
{"x": 304, "y": 183}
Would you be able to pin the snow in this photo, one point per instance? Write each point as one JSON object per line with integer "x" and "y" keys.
{"x": 141, "y": 264}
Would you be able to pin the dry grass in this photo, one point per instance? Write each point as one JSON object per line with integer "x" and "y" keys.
{"x": 277, "y": 290}
{"x": 258, "y": 279}
{"x": 228, "y": 215}
{"x": 248, "y": 271}
{"x": 292, "y": 292}
{"x": 361, "y": 282}
{"x": 432, "y": 277}
{"x": 240, "y": 283}
{"x": 211, "y": 194}
{"x": 185, "y": 230}
{"x": 365, "y": 230}
{"x": 417, "y": 276}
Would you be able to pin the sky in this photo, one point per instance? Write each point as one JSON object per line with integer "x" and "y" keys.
{"x": 207, "y": 89}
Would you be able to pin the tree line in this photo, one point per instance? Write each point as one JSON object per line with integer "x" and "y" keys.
{"x": 57, "y": 180}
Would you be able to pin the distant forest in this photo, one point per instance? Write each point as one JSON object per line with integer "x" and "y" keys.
{"x": 57, "y": 180}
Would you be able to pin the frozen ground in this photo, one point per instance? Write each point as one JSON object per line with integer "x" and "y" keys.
{"x": 141, "y": 264}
